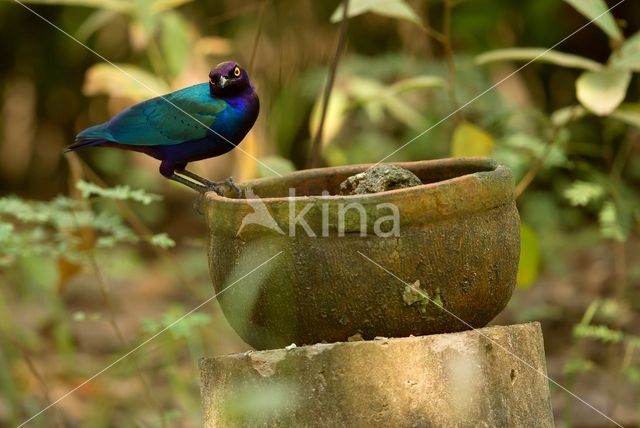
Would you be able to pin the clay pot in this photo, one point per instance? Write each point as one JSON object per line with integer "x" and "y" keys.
{"x": 455, "y": 238}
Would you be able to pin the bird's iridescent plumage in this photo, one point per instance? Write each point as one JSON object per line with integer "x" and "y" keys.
{"x": 194, "y": 123}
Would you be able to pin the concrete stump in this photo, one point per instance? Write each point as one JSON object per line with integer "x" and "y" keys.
{"x": 490, "y": 377}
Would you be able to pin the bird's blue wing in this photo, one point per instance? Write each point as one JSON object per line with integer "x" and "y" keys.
{"x": 180, "y": 116}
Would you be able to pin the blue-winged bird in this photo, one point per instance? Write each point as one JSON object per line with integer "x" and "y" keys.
{"x": 194, "y": 123}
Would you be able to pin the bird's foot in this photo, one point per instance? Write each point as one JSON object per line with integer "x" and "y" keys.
{"x": 213, "y": 186}
{"x": 233, "y": 186}
{"x": 227, "y": 188}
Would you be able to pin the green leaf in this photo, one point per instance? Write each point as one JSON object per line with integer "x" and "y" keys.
{"x": 471, "y": 140}
{"x": 404, "y": 112}
{"x": 94, "y": 22}
{"x": 562, "y": 117}
{"x": 391, "y": 8}
{"x": 628, "y": 113}
{"x": 369, "y": 93}
{"x": 159, "y": 6}
{"x": 418, "y": 82}
{"x": 175, "y": 42}
{"x": 602, "y": 91}
{"x": 115, "y": 5}
{"x": 162, "y": 240}
{"x": 580, "y": 193}
{"x": 578, "y": 365}
{"x": 633, "y": 375}
{"x": 276, "y": 163}
{"x": 536, "y": 148}
{"x": 598, "y": 332}
{"x": 598, "y": 12}
{"x": 629, "y": 55}
{"x": 135, "y": 83}
{"x": 611, "y": 225}
{"x": 539, "y": 55}
{"x": 121, "y": 193}
{"x": 529, "y": 265}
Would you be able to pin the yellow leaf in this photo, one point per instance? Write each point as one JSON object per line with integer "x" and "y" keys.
{"x": 67, "y": 268}
{"x": 335, "y": 117}
{"x": 529, "y": 257}
{"x": 603, "y": 91}
{"x": 129, "y": 81}
{"x": 471, "y": 140}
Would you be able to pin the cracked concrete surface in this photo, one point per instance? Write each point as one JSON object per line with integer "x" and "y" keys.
{"x": 493, "y": 376}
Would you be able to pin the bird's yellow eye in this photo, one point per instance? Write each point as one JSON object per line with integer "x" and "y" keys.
{"x": 236, "y": 72}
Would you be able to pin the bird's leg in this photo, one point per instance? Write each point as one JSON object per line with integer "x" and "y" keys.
{"x": 196, "y": 177}
{"x": 195, "y": 186}
{"x": 216, "y": 186}
{"x": 205, "y": 184}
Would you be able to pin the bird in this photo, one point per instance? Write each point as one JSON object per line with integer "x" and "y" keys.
{"x": 194, "y": 123}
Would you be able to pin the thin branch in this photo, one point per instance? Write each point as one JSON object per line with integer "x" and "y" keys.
{"x": 434, "y": 34}
{"x": 79, "y": 167}
{"x": 227, "y": 16}
{"x": 106, "y": 297}
{"x": 256, "y": 39}
{"x": 536, "y": 165}
{"x": 621, "y": 272}
{"x": 76, "y": 175}
{"x": 45, "y": 388}
{"x": 316, "y": 146}
{"x": 450, "y": 56}
{"x": 9, "y": 333}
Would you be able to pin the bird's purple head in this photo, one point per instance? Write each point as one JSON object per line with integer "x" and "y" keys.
{"x": 228, "y": 79}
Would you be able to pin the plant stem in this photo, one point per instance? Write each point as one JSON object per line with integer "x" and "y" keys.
{"x": 45, "y": 389}
{"x": 78, "y": 168}
{"x": 106, "y": 297}
{"x": 536, "y": 165}
{"x": 619, "y": 250}
{"x": 449, "y": 54}
{"x": 256, "y": 39}
{"x": 316, "y": 146}
{"x": 76, "y": 174}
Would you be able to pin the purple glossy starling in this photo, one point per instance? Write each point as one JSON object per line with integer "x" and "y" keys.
{"x": 194, "y": 123}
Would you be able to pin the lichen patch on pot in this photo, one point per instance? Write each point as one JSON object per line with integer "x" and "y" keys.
{"x": 414, "y": 295}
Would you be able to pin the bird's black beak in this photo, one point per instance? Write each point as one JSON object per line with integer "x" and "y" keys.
{"x": 222, "y": 82}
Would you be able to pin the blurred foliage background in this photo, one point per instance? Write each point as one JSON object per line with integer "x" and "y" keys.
{"x": 90, "y": 267}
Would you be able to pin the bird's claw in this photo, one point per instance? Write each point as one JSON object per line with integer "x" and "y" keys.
{"x": 232, "y": 184}
{"x": 227, "y": 188}
{"x": 212, "y": 186}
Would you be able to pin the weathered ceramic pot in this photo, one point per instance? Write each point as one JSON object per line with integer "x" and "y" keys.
{"x": 311, "y": 268}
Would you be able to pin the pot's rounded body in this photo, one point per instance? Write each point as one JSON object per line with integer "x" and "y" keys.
{"x": 311, "y": 268}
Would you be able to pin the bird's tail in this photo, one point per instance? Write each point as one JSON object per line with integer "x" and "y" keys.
{"x": 94, "y": 136}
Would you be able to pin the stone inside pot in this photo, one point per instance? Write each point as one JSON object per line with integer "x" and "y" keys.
{"x": 379, "y": 178}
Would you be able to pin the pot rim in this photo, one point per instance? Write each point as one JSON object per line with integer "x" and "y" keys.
{"x": 497, "y": 169}
{"x": 489, "y": 186}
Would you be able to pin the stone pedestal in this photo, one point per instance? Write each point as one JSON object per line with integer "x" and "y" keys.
{"x": 490, "y": 377}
